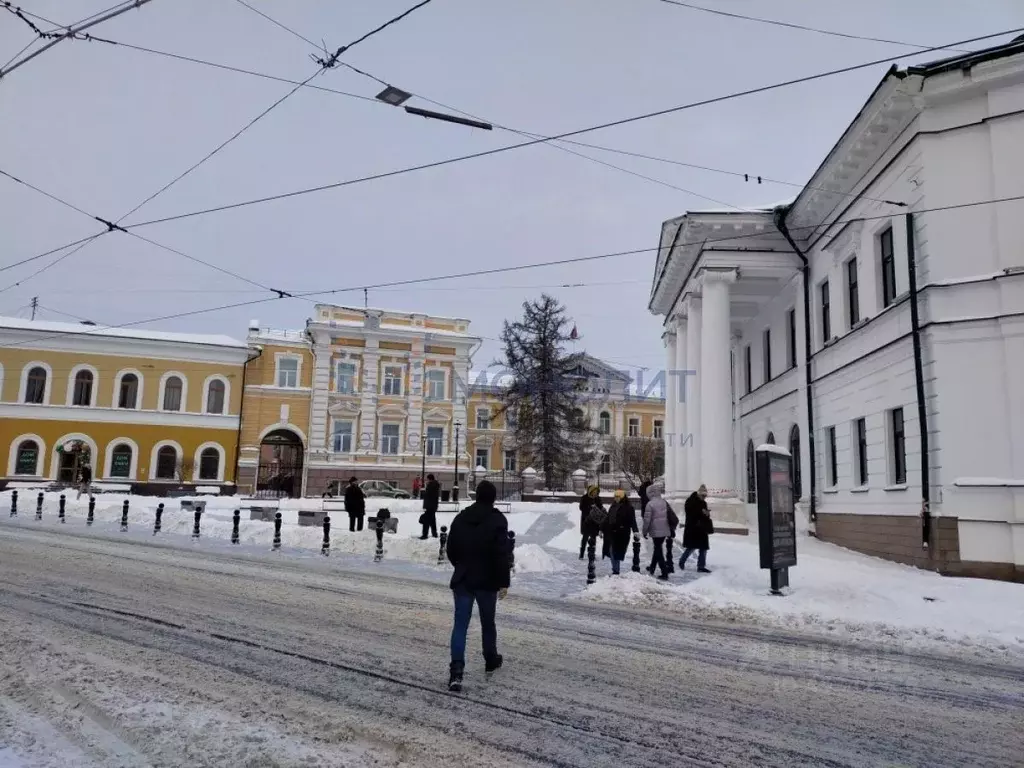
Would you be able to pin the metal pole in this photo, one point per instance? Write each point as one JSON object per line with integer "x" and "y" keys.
{"x": 39, "y": 506}
{"x": 636, "y": 553}
{"x": 379, "y": 553}
{"x": 277, "y": 532}
{"x": 124, "y": 516}
{"x": 60, "y": 508}
{"x": 325, "y": 549}
{"x": 14, "y": 503}
{"x": 443, "y": 550}
{"x": 159, "y": 518}
{"x": 591, "y": 558}
{"x": 455, "y": 485}
{"x": 234, "y": 526}
{"x": 92, "y": 510}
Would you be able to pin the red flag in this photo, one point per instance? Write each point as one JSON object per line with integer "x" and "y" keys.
{"x": 574, "y": 334}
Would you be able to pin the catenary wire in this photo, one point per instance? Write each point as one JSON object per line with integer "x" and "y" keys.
{"x": 275, "y": 22}
{"x": 522, "y": 267}
{"x": 532, "y": 142}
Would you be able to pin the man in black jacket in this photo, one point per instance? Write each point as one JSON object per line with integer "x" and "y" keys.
{"x": 431, "y": 500}
{"x": 478, "y": 548}
{"x": 355, "y": 504}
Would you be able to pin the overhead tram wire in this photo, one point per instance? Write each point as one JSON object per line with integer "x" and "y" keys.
{"x": 523, "y": 267}
{"x": 568, "y": 134}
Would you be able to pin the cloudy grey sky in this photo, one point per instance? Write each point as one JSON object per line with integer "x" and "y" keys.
{"x": 104, "y": 127}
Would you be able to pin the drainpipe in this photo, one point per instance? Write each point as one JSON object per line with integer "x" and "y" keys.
{"x": 922, "y": 406}
{"x": 805, "y": 271}
{"x": 241, "y": 411}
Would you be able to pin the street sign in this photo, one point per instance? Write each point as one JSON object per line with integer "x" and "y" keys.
{"x": 776, "y": 513}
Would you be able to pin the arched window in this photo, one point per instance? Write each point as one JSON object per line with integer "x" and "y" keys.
{"x": 27, "y": 458}
{"x": 606, "y": 423}
{"x": 215, "y": 397}
{"x": 172, "y": 393}
{"x": 209, "y": 464}
{"x": 794, "y": 449}
{"x": 128, "y": 394}
{"x": 771, "y": 438}
{"x": 83, "y": 388}
{"x": 121, "y": 461}
{"x": 166, "y": 463}
{"x": 751, "y": 474}
{"x": 35, "y": 386}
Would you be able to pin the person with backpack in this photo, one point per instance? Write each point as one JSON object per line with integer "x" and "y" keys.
{"x": 697, "y": 527}
{"x": 431, "y": 501}
{"x": 658, "y": 525}
{"x": 588, "y": 528}
{"x": 355, "y": 504}
{"x": 619, "y": 527}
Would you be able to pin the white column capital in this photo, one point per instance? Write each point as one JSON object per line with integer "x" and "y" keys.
{"x": 668, "y": 338}
{"x": 712, "y": 275}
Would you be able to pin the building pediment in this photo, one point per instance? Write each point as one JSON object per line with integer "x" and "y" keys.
{"x": 344, "y": 408}
{"x": 437, "y": 414}
{"x": 392, "y": 409}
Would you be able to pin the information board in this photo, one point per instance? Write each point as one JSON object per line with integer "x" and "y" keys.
{"x": 121, "y": 464}
{"x": 27, "y": 459}
{"x": 775, "y": 509}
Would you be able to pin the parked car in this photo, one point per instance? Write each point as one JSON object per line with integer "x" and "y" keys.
{"x": 380, "y": 488}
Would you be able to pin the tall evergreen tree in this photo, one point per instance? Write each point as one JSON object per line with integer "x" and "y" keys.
{"x": 545, "y": 399}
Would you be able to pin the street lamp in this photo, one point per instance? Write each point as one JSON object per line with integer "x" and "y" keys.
{"x": 455, "y": 485}
{"x": 396, "y": 97}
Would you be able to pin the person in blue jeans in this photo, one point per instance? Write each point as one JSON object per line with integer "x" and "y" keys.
{"x": 478, "y": 547}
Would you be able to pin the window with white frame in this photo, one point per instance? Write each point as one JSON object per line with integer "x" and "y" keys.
{"x": 393, "y": 380}
{"x": 897, "y": 447}
{"x": 209, "y": 464}
{"x": 659, "y": 429}
{"x": 82, "y": 394}
{"x": 634, "y": 427}
{"x": 860, "y": 452}
{"x": 791, "y": 339}
{"x": 766, "y": 355}
{"x": 887, "y": 257}
{"x": 341, "y": 437}
{"x": 832, "y": 457}
{"x": 172, "y": 393}
{"x": 288, "y": 372}
{"x": 483, "y": 458}
{"x": 605, "y": 466}
{"x": 128, "y": 391}
{"x": 345, "y": 378}
{"x": 390, "y": 437}
{"x": 35, "y": 386}
{"x": 606, "y": 423}
{"x": 510, "y": 461}
{"x": 435, "y": 441}
{"x": 483, "y": 418}
{"x": 436, "y": 384}
{"x": 215, "y": 391}
{"x": 852, "y": 293}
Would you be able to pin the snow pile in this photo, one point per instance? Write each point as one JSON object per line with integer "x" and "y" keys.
{"x": 532, "y": 558}
{"x": 835, "y": 592}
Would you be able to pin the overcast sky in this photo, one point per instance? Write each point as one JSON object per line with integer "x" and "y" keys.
{"x": 104, "y": 127}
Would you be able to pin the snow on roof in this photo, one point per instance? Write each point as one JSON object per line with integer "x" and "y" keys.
{"x": 748, "y": 208}
{"x": 80, "y": 329}
{"x": 769, "y": 448}
{"x": 332, "y": 323}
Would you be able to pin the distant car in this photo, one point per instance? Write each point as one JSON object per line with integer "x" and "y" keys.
{"x": 379, "y": 488}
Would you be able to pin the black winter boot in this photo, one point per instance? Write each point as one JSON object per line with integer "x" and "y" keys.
{"x": 455, "y": 677}
{"x": 492, "y": 665}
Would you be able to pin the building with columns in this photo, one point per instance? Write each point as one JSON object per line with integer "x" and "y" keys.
{"x": 874, "y": 326}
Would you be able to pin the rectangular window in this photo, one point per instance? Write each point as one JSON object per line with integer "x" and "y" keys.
{"x": 888, "y": 259}
{"x": 791, "y": 339}
{"x": 634, "y": 427}
{"x": 288, "y": 372}
{"x": 483, "y": 418}
{"x": 659, "y": 429}
{"x": 510, "y": 461}
{"x": 898, "y": 445}
{"x": 341, "y": 437}
{"x": 393, "y": 380}
{"x": 852, "y": 293}
{"x": 833, "y": 462}
{"x": 826, "y": 314}
{"x": 129, "y": 393}
{"x": 605, "y": 467}
{"x": 748, "y": 377}
{"x": 766, "y": 354}
{"x": 860, "y": 452}
{"x": 435, "y": 441}
{"x": 389, "y": 437}
{"x": 345, "y": 378}
{"x": 483, "y": 459}
{"x": 83, "y": 389}
{"x": 435, "y": 384}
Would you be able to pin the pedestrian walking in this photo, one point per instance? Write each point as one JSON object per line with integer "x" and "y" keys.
{"x": 658, "y": 525}
{"x": 644, "y": 498}
{"x": 431, "y": 500}
{"x": 84, "y": 480}
{"x": 588, "y": 501}
{"x": 697, "y": 527}
{"x": 417, "y": 483}
{"x": 355, "y": 505}
{"x": 478, "y": 549}
{"x": 619, "y": 527}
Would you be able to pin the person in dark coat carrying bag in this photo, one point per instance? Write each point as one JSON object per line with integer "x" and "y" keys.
{"x": 355, "y": 505}
{"x": 478, "y": 548}
{"x": 619, "y": 527}
{"x": 431, "y": 501}
{"x": 589, "y": 504}
{"x": 697, "y": 527}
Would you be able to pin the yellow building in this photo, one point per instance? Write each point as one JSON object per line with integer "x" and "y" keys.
{"x": 149, "y": 408}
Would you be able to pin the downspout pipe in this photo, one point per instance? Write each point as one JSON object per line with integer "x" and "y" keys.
{"x": 922, "y": 405}
{"x": 805, "y": 272}
{"x": 241, "y": 413}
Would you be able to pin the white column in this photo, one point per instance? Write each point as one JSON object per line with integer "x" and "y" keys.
{"x": 682, "y": 474}
{"x": 716, "y": 396}
{"x": 691, "y": 395}
{"x": 671, "y": 441}
{"x": 322, "y": 362}
{"x": 368, "y": 439}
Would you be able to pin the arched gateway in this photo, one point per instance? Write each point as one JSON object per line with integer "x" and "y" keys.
{"x": 280, "y": 468}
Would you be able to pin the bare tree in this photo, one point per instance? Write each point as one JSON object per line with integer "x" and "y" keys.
{"x": 183, "y": 468}
{"x": 640, "y": 459}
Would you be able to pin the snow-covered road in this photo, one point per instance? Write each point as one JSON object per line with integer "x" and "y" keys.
{"x": 127, "y": 654}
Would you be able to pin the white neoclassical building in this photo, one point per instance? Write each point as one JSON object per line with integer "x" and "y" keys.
{"x": 876, "y": 320}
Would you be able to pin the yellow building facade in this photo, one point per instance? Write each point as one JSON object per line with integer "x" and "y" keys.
{"x": 142, "y": 407}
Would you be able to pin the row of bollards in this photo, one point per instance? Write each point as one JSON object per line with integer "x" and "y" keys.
{"x": 592, "y": 556}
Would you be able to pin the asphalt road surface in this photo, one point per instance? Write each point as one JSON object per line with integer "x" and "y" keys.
{"x": 127, "y": 654}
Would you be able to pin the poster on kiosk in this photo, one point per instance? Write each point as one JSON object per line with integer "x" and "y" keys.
{"x": 776, "y": 513}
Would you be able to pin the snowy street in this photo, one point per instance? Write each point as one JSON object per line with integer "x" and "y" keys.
{"x": 129, "y": 654}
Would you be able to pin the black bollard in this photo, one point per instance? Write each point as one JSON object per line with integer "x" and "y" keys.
{"x": 325, "y": 549}
{"x": 195, "y": 523}
{"x": 60, "y": 508}
{"x": 442, "y": 552}
{"x": 39, "y": 506}
{"x": 159, "y": 518}
{"x": 234, "y": 526}
{"x": 124, "y": 516}
{"x": 277, "y": 531}
{"x": 92, "y": 511}
{"x": 378, "y": 555}
{"x": 512, "y": 551}
{"x": 14, "y": 503}
{"x": 591, "y": 558}
{"x": 636, "y": 553}
{"x": 668, "y": 553}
